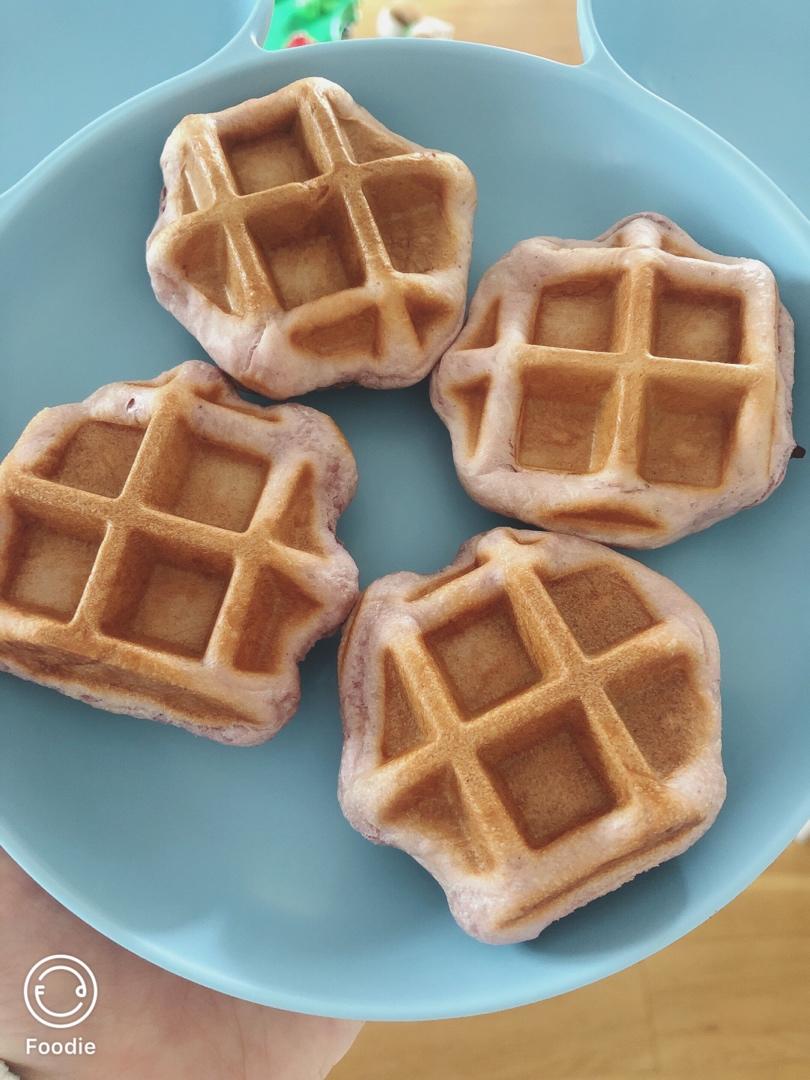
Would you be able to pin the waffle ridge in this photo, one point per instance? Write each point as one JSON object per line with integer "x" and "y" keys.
{"x": 630, "y": 389}
{"x": 194, "y": 534}
{"x": 304, "y": 244}
{"x": 531, "y": 778}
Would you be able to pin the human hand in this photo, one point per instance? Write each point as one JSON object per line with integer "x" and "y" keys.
{"x": 148, "y": 1024}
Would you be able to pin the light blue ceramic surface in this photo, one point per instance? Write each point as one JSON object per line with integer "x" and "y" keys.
{"x": 235, "y": 867}
{"x": 740, "y": 66}
{"x": 63, "y": 64}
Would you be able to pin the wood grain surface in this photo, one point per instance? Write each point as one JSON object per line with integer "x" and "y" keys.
{"x": 731, "y": 1001}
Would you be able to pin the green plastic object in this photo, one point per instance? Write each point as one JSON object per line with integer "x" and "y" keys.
{"x": 301, "y": 22}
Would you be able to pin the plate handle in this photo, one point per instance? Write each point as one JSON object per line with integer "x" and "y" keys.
{"x": 250, "y": 36}
{"x": 595, "y": 55}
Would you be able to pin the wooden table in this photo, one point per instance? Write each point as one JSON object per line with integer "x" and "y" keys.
{"x": 545, "y": 27}
{"x": 729, "y": 1002}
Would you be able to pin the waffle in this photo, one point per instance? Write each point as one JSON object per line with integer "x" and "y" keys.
{"x": 304, "y": 244}
{"x": 535, "y": 725}
{"x": 168, "y": 551}
{"x": 631, "y": 389}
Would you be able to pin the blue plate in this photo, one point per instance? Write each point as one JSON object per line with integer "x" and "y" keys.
{"x": 234, "y": 867}
{"x": 63, "y": 64}
{"x": 741, "y": 68}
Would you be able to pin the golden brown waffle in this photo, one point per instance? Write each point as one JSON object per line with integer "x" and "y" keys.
{"x": 535, "y": 725}
{"x": 304, "y": 244}
{"x": 168, "y": 551}
{"x": 630, "y": 389}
